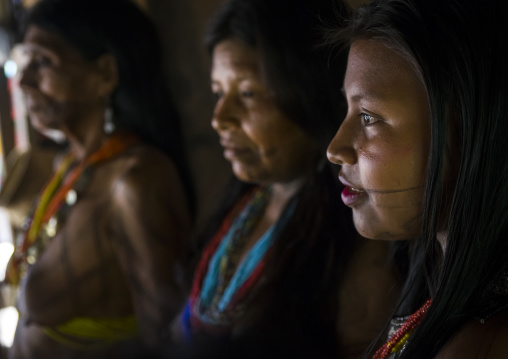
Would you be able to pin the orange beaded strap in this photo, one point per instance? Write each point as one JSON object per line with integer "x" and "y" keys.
{"x": 401, "y": 336}
{"x": 53, "y": 195}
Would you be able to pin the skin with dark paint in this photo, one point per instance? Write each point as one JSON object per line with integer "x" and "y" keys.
{"x": 121, "y": 247}
{"x": 382, "y": 147}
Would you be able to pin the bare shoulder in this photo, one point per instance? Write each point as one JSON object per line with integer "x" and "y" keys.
{"x": 497, "y": 338}
{"x": 147, "y": 188}
{"x": 478, "y": 340}
{"x": 144, "y": 162}
{"x": 145, "y": 171}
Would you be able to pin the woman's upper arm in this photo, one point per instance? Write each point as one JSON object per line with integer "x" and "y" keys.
{"x": 152, "y": 235}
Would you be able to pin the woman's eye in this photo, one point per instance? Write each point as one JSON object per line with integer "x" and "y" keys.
{"x": 368, "y": 119}
{"x": 218, "y": 94}
{"x": 41, "y": 61}
{"x": 247, "y": 94}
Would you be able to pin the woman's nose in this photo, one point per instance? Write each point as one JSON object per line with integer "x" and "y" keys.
{"x": 341, "y": 149}
{"x": 27, "y": 77}
{"x": 226, "y": 113}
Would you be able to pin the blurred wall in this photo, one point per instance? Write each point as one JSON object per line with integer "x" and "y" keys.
{"x": 182, "y": 25}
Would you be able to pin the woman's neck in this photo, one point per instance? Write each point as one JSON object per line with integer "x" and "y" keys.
{"x": 279, "y": 198}
{"x": 281, "y": 195}
{"x": 87, "y": 138}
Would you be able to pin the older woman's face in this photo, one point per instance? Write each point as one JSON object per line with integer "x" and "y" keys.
{"x": 262, "y": 144}
{"x": 60, "y": 87}
{"x": 383, "y": 143}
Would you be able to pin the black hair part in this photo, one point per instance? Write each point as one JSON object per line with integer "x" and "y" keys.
{"x": 234, "y": 19}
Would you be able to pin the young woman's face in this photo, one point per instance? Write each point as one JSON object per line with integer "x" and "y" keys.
{"x": 383, "y": 143}
{"x": 261, "y": 142}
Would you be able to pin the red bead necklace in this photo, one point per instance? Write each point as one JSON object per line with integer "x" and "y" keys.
{"x": 54, "y": 194}
{"x": 397, "y": 340}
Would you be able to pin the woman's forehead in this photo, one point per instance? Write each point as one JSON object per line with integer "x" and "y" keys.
{"x": 38, "y": 39}
{"x": 233, "y": 56}
{"x": 375, "y": 70}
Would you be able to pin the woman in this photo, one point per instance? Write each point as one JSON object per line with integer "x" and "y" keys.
{"x": 281, "y": 243}
{"x": 102, "y": 260}
{"x": 423, "y": 155}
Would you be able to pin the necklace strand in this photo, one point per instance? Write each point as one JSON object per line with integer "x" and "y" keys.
{"x": 55, "y": 192}
{"x": 401, "y": 336}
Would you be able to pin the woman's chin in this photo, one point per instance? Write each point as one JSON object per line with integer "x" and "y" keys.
{"x": 42, "y": 123}
{"x": 245, "y": 173}
{"x": 369, "y": 230}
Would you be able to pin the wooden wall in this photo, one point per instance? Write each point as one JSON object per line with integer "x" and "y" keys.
{"x": 182, "y": 25}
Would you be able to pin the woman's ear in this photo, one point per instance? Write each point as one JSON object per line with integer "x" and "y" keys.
{"x": 108, "y": 75}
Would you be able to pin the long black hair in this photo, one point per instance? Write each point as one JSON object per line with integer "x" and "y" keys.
{"x": 295, "y": 303}
{"x": 455, "y": 46}
{"x": 142, "y": 102}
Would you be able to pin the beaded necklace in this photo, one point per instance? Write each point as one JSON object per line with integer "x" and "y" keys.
{"x": 56, "y": 193}
{"x": 398, "y": 340}
{"x": 241, "y": 231}
{"x": 223, "y": 265}
{"x": 220, "y": 287}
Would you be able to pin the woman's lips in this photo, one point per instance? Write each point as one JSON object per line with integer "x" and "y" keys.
{"x": 351, "y": 195}
{"x": 232, "y": 152}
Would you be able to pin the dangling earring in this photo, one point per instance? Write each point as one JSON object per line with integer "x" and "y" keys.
{"x": 109, "y": 125}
